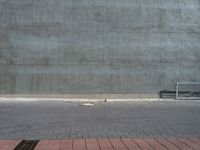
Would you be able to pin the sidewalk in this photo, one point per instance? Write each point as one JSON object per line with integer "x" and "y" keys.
{"x": 156, "y": 125}
{"x": 107, "y": 144}
{"x": 70, "y": 120}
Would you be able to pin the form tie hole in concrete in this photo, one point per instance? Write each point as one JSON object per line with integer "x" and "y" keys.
{"x": 88, "y": 104}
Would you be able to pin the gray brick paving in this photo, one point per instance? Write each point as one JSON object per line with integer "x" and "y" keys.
{"x": 59, "y": 119}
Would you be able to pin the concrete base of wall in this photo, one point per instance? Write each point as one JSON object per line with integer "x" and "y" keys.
{"x": 81, "y": 97}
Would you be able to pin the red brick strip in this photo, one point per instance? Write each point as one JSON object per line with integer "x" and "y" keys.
{"x": 79, "y": 144}
{"x": 143, "y": 144}
{"x": 92, "y": 144}
{"x": 105, "y": 144}
{"x": 130, "y": 144}
{"x": 190, "y": 144}
{"x": 166, "y": 144}
{"x": 111, "y": 144}
{"x": 42, "y": 145}
{"x": 180, "y": 144}
{"x": 8, "y": 145}
{"x": 197, "y": 141}
{"x": 53, "y": 145}
{"x": 66, "y": 144}
{"x": 155, "y": 144}
{"x": 117, "y": 144}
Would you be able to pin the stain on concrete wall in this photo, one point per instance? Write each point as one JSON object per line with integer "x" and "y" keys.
{"x": 98, "y": 46}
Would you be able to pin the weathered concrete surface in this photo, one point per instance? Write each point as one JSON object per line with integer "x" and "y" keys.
{"x": 98, "y": 46}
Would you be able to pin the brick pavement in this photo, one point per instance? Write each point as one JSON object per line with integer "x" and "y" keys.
{"x": 111, "y": 144}
{"x": 8, "y": 144}
{"x": 64, "y": 120}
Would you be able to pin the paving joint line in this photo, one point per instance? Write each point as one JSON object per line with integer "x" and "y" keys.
{"x": 98, "y": 143}
{"x": 73, "y": 144}
{"x": 111, "y": 144}
{"x": 185, "y": 144}
{"x": 124, "y": 143}
{"x": 60, "y": 141}
{"x": 173, "y": 144}
{"x": 193, "y": 141}
{"x": 149, "y": 144}
{"x": 161, "y": 144}
{"x": 137, "y": 144}
{"x": 85, "y": 144}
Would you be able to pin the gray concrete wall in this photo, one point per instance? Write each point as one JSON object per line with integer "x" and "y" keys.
{"x": 98, "y": 46}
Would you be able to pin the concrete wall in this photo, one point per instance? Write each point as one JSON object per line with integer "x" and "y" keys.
{"x": 98, "y": 46}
